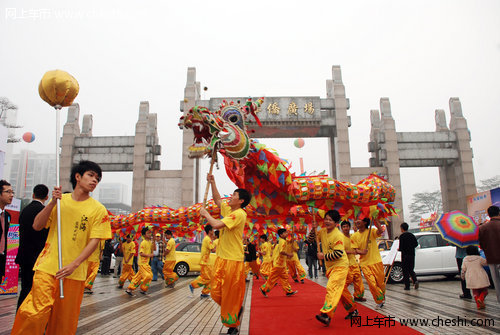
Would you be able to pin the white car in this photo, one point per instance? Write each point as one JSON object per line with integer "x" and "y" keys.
{"x": 433, "y": 256}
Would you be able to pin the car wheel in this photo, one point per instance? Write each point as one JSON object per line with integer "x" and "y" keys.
{"x": 396, "y": 275}
{"x": 181, "y": 269}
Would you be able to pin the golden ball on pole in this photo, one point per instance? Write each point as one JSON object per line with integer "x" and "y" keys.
{"x": 58, "y": 88}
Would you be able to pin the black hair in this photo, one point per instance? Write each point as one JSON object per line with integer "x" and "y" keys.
{"x": 83, "y": 167}
{"x": 472, "y": 250}
{"x": 144, "y": 230}
{"x": 367, "y": 222}
{"x": 244, "y": 195}
{"x": 345, "y": 223}
{"x": 281, "y": 231}
{"x": 40, "y": 191}
{"x": 405, "y": 226}
{"x": 334, "y": 215}
{"x": 264, "y": 237}
{"x": 493, "y": 211}
{"x": 3, "y": 183}
{"x": 208, "y": 228}
{"x": 216, "y": 233}
{"x": 168, "y": 232}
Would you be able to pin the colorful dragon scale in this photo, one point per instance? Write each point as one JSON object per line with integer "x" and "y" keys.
{"x": 279, "y": 198}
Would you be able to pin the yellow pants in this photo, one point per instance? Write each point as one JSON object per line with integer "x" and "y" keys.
{"x": 354, "y": 277}
{"x": 127, "y": 274}
{"x": 374, "y": 275}
{"x": 142, "y": 278}
{"x": 204, "y": 279}
{"x": 168, "y": 272}
{"x": 294, "y": 268}
{"x": 277, "y": 273}
{"x": 265, "y": 269}
{"x": 92, "y": 270}
{"x": 43, "y": 307}
{"x": 228, "y": 289}
{"x": 336, "y": 290}
{"x": 252, "y": 266}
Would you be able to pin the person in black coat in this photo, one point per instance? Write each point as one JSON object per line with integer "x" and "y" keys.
{"x": 6, "y": 196}
{"x": 31, "y": 242}
{"x": 407, "y": 245}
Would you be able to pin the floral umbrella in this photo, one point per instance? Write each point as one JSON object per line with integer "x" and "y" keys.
{"x": 458, "y": 228}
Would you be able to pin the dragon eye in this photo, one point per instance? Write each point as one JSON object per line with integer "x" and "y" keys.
{"x": 233, "y": 118}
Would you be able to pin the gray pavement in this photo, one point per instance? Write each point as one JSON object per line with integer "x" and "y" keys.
{"x": 175, "y": 311}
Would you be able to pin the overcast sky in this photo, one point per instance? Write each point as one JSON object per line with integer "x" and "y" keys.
{"x": 416, "y": 53}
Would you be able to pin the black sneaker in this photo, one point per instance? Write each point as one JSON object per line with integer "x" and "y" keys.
{"x": 120, "y": 286}
{"x": 352, "y": 314}
{"x": 324, "y": 319}
{"x": 415, "y": 286}
{"x": 406, "y": 288}
{"x": 289, "y": 294}
{"x": 144, "y": 292}
{"x": 302, "y": 281}
{"x": 359, "y": 299}
{"x": 233, "y": 331}
{"x": 263, "y": 292}
{"x": 203, "y": 295}
{"x": 240, "y": 313}
{"x": 463, "y": 296}
{"x": 296, "y": 280}
{"x": 129, "y": 293}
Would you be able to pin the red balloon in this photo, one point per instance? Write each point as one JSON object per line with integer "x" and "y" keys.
{"x": 28, "y": 137}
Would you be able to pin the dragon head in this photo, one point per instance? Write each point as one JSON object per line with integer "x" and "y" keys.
{"x": 225, "y": 128}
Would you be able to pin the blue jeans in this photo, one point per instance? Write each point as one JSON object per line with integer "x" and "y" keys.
{"x": 156, "y": 266}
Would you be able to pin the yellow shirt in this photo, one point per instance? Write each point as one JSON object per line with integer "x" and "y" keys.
{"x": 216, "y": 243}
{"x": 266, "y": 247}
{"x": 348, "y": 247}
{"x": 279, "y": 260}
{"x": 206, "y": 248}
{"x": 359, "y": 241}
{"x": 171, "y": 250}
{"x": 292, "y": 247}
{"x": 146, "y": 247}
{"x": 231, "y": 236}
{"x": 96, "y": 255}
{"x": 80, "y": 222}
{"x": 331, "y": 241}
{"x": 128, "y": 249}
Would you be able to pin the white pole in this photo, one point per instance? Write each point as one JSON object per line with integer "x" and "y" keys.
{"x": 59, "y": 246}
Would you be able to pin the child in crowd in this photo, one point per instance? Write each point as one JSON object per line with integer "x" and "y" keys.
{"x": 475, "y": 276}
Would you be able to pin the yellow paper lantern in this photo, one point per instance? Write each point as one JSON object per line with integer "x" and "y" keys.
{"x": 58, "y": 88}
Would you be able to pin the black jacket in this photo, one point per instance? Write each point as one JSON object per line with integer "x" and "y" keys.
{"x": 31, "y": 242}
{"x": 3, "y": 257}
{"x": 407, "y": 243}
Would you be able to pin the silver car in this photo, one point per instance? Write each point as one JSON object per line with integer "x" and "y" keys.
{"x": 433, "y": 256}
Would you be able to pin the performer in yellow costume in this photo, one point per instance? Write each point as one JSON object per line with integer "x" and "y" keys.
{"x": 84, "y": 222}
{"x": 354, "y": 275}
{"x": 143, "y": 277}
{"x": 228, "y": 284}
{"x": 370, "y": 260}
{"x": 203, "y": 280}
{"x": 278, "y": 272}
{"x": 93, "y": 267}
{"x": 267, "y": 260}
{"x": 128, "y": 273}
{"x": 169, "y": 260}
{"x": 295, "y": 269}
{"x": 337, "y": 267}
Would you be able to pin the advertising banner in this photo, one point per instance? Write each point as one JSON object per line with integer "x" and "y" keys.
{"x": 9, "y": 283}
{"x": 477, "y": 204}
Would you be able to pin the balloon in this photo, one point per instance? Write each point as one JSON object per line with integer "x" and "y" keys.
{"x": 28, "y": 137}
{"x": 299, "y": 143}
{"x": 58, "y": 87}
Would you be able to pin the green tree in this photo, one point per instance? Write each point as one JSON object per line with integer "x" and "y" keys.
{"x": 489, "y": 183}
{"x": 425, "y": 203}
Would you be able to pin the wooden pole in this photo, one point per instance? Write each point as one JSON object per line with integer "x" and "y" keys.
{"x": 214, "y": 158}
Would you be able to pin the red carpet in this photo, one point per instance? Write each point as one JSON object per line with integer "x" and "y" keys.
{"x": 279, "y": 314}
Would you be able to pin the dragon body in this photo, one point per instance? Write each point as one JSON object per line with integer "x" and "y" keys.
{"x": 279, "y": 198}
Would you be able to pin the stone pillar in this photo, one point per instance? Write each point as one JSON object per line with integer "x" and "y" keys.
{"x": 391, "y": 163}
{"x": 464, "y": 171}
{"x": 447, "y": 177}
{"x": 341, "y": 151}
{"x": 71, "y": 130}
{"x": 189, "y": 168}
{"x": 139, "y": 165}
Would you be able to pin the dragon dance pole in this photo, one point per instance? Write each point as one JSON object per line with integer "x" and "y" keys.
{"x": 58, "y": 203}
{"x": 214, "y": 158}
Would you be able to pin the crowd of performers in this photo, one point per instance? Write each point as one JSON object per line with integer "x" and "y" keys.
{"x": 86, "y": 226}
